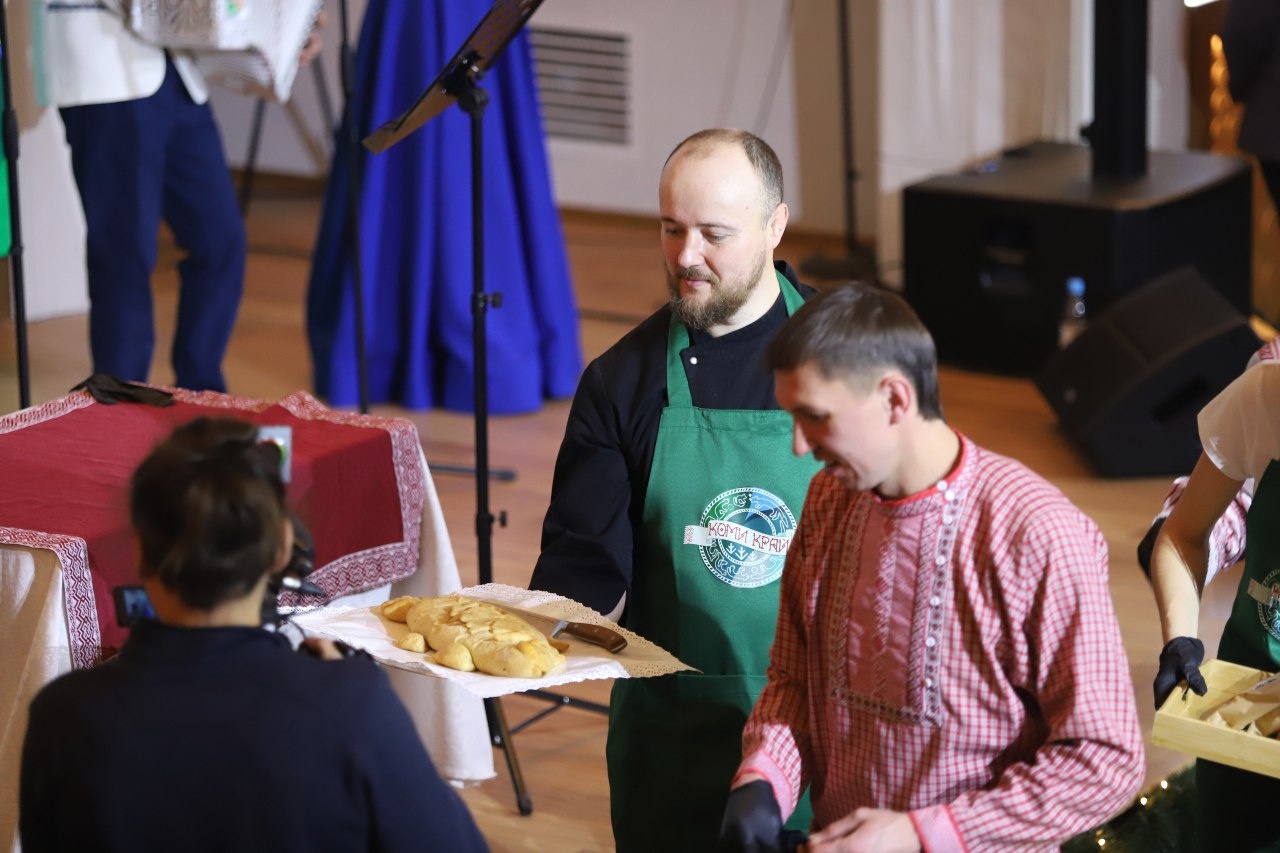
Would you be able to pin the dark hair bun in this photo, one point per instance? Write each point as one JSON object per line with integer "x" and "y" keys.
{"x": 208, "y": 507}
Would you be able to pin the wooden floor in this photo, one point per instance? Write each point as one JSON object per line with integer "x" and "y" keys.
{"x": 617, "y": 275}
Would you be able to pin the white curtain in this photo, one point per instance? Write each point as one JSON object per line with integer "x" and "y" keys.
{"x": 963, "y": 79}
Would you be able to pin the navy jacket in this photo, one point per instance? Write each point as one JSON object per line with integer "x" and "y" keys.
{"x": 225, "y": 739}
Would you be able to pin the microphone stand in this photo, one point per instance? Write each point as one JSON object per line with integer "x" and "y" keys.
{"x": 352, "y": 145}
{"x": 10, "y": 136}
{"x": 255, "y": 133}
{"x": 458, "y": 82}
{"x": 473, "y": 100}
{"x": 858, "y": 261}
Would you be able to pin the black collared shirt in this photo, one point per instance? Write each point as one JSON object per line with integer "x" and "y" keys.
{"x": 602, "y": 471}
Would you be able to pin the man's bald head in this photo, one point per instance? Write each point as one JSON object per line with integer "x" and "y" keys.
{"x": 762, "y": 158}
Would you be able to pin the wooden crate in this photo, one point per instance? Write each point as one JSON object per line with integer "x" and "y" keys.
{"x": 1178, "y": 725}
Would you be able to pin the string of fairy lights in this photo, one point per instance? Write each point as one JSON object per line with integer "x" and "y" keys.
{"x": 1158, "y": 820}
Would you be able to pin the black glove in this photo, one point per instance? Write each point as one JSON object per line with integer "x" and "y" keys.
{"x": 1180, "y": 660}
{"x": 108, "y": 390}
{"x": 1148, "y": 544}
{"x": 752, "y": 820}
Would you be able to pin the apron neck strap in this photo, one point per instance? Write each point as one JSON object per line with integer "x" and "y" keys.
{"x": 678, "y": 341}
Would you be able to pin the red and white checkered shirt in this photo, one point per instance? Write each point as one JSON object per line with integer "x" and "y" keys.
{"x": 954, "y": 655}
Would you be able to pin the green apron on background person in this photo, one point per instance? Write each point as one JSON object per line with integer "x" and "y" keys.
{"x": 1233, "y": 806}
{"x": 724, "y": 497}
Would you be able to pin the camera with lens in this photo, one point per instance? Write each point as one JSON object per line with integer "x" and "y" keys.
{"x": 133, "y": 605}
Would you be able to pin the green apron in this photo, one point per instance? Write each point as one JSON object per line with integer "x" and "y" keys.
{"x": 1235, "y": 808}
{"x": 724, "y": 496}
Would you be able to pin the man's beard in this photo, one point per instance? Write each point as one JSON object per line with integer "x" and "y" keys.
{"x": 720, "y": 304}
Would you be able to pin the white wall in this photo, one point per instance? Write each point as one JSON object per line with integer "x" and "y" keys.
{"x": 49, "y": 207}
{"x": 686, "y": 78}
{"x": 819, "y": 132}
{"x": 938, "y": 83}
{"x": 694, "y": 64}
{"x": 295, "y": 139}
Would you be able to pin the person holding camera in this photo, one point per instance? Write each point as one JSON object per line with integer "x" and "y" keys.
{"x": 208, "y": 733}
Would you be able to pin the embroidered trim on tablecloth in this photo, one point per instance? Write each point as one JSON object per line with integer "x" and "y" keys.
{"x": 45, "y": 412}
{"x": 373, "y": 567}
{"x": 77, "y": 588}
{"x": 357, "y": 572}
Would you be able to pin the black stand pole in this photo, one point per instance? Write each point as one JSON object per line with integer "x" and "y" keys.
{"x": 255, "y": 133}
{"x": 859, "y": 262}
{"x": 457, "y": 82}
{"x": 351, "y": 145}
{"x": 251, "y": 158}
{"x": 472, "y": 100}
{"x": 10, "y": 120}
{"x": 351, "y": 142}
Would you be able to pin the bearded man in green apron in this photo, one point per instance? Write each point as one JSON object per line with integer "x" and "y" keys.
{"x": 675, "y": 492}
{"x": 1240, "y": 434}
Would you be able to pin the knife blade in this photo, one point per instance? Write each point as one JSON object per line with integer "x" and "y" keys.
{"x": 598, "y": 635}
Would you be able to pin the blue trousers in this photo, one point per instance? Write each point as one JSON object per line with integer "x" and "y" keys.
{"x": 135, "y": 163}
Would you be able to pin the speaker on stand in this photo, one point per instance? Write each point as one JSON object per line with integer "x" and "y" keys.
{"x": 988, "y": 252}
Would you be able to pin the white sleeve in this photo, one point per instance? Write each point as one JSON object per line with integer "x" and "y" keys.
{"x": 1240, "y": 428}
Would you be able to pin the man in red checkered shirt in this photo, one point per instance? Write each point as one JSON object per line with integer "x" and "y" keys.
{"x": 947, "y": 673}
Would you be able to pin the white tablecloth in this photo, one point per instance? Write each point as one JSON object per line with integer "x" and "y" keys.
{"x": 37, "y": 649}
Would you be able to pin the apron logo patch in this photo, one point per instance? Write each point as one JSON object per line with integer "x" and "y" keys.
{"x": 1267, "y": 594}
{"x": 743, "y": 536}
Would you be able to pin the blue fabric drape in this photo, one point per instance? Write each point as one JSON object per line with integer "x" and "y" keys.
{"x": 416, "y": 235}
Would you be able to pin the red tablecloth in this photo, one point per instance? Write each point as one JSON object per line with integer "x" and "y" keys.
{"x": 357, "y": 483}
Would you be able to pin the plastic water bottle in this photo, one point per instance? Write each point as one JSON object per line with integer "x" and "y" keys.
{"x": 1073, "y": 312}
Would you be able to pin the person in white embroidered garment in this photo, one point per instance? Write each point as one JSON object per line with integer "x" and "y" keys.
{"x": 1227, "y": 539}
{"x": 1240, "y": 436}
{"x": 947, "y": 673}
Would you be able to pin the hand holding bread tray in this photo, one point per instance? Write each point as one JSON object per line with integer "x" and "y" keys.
{"x": 471, "y": 639}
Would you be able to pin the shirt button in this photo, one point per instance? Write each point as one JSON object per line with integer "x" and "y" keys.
{"x": 940, "y": 560}
{"x": 942, "y": 485}
{"x": 693, "y": 359}
{"x": 935, "y": 602}
{"x": 930, "y": 641}
{"x": 928, "y": 682}
{"x": 949, "y": 495}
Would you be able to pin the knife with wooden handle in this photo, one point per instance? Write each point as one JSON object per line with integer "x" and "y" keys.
{"x": 552, "y": 626}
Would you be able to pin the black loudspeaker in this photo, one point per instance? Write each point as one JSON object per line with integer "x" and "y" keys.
{"x": 987, "y": 253}
{"x": 1129, "y": 388}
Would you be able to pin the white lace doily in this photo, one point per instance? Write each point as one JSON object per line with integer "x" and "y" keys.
{"x": 365, "y": 628}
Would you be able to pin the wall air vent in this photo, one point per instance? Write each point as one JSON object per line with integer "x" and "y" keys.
{"x": 584, "y": 81}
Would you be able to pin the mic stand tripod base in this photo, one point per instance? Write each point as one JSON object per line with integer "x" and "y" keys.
{"x": 558, "y": 701}
{"x": 504, "y": 475}
{"x": 500, "y": 736}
